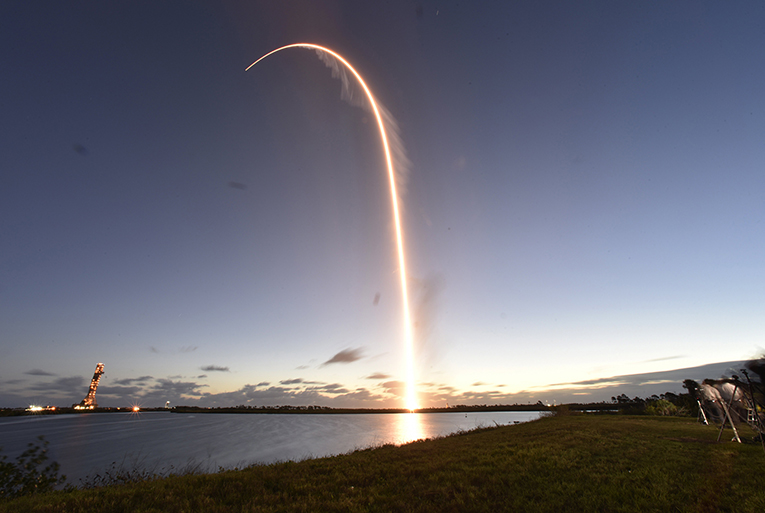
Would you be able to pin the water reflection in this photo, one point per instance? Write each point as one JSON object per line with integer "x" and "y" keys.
{"x": 158, "y": 440}
{"x": 410, "y": 427}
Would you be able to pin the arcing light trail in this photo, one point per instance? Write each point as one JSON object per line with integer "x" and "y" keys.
{"x": 411, "y": 399}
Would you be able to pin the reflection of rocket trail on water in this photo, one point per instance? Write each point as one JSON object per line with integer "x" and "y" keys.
{"x": 411, "y": 400}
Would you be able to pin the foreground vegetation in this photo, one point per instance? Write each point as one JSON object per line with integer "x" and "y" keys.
{"x": 561, "y": 463}
{"x": 31, "y": 473}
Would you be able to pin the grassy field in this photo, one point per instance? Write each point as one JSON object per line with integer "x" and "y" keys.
{"x": 564, "y": 463}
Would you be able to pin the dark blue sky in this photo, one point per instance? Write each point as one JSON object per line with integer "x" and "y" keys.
{"x": 584, "y": 198}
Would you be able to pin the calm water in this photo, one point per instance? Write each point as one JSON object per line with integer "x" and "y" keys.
{"x": 88, "y": 443}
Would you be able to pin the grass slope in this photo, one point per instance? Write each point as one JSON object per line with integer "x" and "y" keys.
{"x": 573, "y": 463}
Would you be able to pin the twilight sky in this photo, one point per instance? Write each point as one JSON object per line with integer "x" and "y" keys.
{"x": 585, "y": 199}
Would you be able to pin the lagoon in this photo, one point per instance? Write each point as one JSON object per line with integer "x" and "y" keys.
{"x": 90, "y": 443}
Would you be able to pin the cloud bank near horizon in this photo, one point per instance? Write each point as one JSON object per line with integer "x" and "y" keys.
{"x": 149, "y": 391}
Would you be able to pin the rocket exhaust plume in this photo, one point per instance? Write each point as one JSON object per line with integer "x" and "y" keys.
{"x": 326, "y": 56}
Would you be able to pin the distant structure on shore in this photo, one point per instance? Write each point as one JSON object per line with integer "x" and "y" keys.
{"x": 89, "y": 402}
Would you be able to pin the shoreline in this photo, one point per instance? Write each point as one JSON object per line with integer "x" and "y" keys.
{"x": 323, "y": 410}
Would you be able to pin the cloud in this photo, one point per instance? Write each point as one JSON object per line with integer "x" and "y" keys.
{"x": 328, "y": 395}
{"x": 119, "y": 392}
{"x": 38, "y": 372}
{"x": 393, "y": 387}
{"x": 130, "y": 381}
{"x": 378, "y": 375}
{"x": 188, "y": 349}
{"x": 714, "y": 370}
{"x": 478, "y": 384}
{"x": 202, "y": 376}
{"x": 214, "y": 368}
{"x": 295, "y": 381}
{"x": 345, "y": 356}
{"x": 149, "y": 391}
{"x": 61, "y": 386}
{"x": 80, "y": 149}
{"x": 665, "y": 358}
{"x": 174, "y": 391}
{"x": 153, "y": 349}
{"x": 334, "y": 388}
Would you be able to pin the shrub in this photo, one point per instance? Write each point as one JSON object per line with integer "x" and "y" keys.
{"x": 561, "y": 410}
{"x": 25, "y": 476}
{"x": 661, "y": 407}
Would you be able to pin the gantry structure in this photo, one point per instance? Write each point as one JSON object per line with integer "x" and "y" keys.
{"x": 89, "y": 402}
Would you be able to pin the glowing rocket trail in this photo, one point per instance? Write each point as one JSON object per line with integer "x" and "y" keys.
{"x": 411, "y": 399}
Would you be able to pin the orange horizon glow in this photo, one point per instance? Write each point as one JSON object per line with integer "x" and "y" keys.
{"x": 410, "y": 395}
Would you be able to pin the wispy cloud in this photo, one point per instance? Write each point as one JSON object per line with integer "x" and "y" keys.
{"x": 130, "y": 381}
{"x": 296, "y": 381}
{"x": 188, "y": 349}
{"x": 214, "y": 368}
{"x": 346, "y": 356}
{"x": 38, "y": 372}
{"x": 664, "y": 359}
{"x": 378, "y": 375}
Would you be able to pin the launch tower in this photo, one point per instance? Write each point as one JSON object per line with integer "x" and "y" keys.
{"x": 89, "y": 402}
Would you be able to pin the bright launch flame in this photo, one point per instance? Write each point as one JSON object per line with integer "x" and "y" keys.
{"x": 411, "y": 399}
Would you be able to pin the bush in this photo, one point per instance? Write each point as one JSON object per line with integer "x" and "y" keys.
{"x": 561, "y": 410}
{"x": 661, "y": 407}
{"x": 25, "y": 476}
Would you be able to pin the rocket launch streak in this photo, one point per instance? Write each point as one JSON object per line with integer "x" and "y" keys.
{"x": 411, "y": 399}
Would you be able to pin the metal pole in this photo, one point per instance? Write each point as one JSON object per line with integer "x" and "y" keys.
{"x": 727, "y": 413}
{"x": 701, "y": 411}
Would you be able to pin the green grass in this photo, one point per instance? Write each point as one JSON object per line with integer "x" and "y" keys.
{"x": 570, "y": 463}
